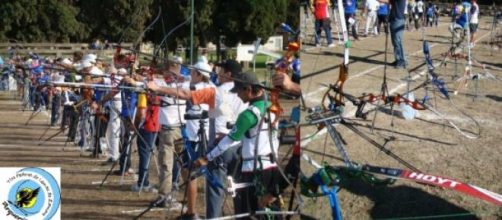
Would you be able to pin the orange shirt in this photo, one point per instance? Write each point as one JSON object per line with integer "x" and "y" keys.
{"x": 205, "y": 96}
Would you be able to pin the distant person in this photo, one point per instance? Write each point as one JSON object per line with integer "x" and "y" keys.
{"x": 436, "y": 15}
{"x": 406, "y": 16}
{"x": 409, "y": 9}
{"x": 383, "y": 13}
{"x": 396, "y": 21}
{"x": 350, "y": 7}
{"x": 370, "y": 10}
{"x": 473, "y": 25}
{"x": 320, "y": 8}
{"x": 420, "y": 11}
{"x": 430, "y": 15}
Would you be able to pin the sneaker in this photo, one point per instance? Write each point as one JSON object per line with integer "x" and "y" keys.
{"x": 136, "y": 187}
{"x": 166, "y": 202}
{"x": 110, "y": 161}
{"x": 175, "y": 187}
{"x": 126, "y": 173}
{"x": 331, "y": 45}
{"x": 318, "y": 45}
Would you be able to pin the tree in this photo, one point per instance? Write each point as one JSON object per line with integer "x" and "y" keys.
{"x": 39, "y": 21}
{"x": 175, "y": 13}
{"x": 244, "y": 21}
{"x": 115, "y": 20}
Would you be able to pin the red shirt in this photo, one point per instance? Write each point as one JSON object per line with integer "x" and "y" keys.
{"x": 152, "y": 113}
{"x": 321, "y": 9}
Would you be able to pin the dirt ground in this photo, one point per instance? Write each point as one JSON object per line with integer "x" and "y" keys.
{"x": 427, "y": 142}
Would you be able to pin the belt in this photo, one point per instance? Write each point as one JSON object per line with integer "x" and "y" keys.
{"x": 168, "y": 127}
{"x": 268, "y": 157}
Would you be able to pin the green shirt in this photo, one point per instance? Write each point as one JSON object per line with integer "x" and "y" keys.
{"x": 246, "y": 120}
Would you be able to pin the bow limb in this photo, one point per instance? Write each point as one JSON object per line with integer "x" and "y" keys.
{"x": 142, "y": 34}
{"x": 136, "y": 44}
{"x": 343, "y": 24}
{"x": 338, "y": 97}
{"x": 439, "y": 181}
{"x": 156, "y": 53}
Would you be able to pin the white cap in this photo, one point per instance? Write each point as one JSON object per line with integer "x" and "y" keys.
{"x": 203, "y": 68}
{"x": 178, "y": 59}
{"x": 202, "y": 59}
{"x": 86, "y": 63}
{"x": 90, "y": 57}
{"x": 121, "y": 71}
{"x": 78, "y": 66}
{"x": 66, "y": 61}
{"x": 96, "y": 71}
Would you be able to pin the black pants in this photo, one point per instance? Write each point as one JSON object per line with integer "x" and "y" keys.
{"x": 382, "y": 19}
{"x": 56, "y": 103}
{"x": 126, "y": 149}
{"x": 100, "y": 123}
{"x": 70, "y": 117}
{"x": 351, "y": 26}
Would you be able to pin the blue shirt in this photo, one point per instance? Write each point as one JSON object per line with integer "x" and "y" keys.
{"x": 185, "y": 71}
{"x": 383, "y": 9}
{"x": 462, "y": 19}
{"x": 397, "y": 10}
{"x": 98, "y": 94}
{"x": 349, "y": 6}
{"x": 129, "y": 102}
{"x": 430, "y": 11}
{"x": 42, "y": 80}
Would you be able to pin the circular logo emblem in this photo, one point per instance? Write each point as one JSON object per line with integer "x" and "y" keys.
{"x": 34, "y": 193}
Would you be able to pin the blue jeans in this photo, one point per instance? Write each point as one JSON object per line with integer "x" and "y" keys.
{"x": 396, "y": 34}
{"x": 223, "y": 165}
{"x": 145, "y": 153}
{"x": 324, "y": 24}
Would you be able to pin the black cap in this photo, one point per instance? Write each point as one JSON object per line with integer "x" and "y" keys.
{"x": 242, "y": 80}
{"x": 232, "y": 66}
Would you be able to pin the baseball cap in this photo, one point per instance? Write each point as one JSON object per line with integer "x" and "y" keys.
{"x": 231, "y": 65}
{"x": 242, "y": 80}
{"x": 122, "y": 71}
{"x": 90, "y": 57}
{"x": 203, "y": 68}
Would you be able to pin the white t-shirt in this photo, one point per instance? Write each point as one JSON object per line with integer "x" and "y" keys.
{"x": 227, "y": 107}
{"x": 475, "y": 14}
{"x": 405, "y": 7}
{"x": 168, "y": 115}
{"x": 420, "y": 7}
{"x": 372, "y": 5}
{"x": 113, "y": 82}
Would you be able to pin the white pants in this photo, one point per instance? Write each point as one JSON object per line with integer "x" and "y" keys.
{"x": 113, "y": 130}
{"x": 370, "y": 22}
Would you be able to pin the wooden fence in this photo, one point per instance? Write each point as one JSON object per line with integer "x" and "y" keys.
{"x": 57, "y": 49}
